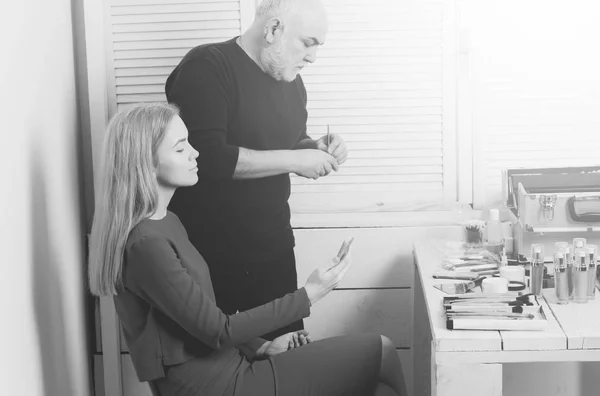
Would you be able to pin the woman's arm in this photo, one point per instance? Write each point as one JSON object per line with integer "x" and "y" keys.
{"x": 155, "y": 273}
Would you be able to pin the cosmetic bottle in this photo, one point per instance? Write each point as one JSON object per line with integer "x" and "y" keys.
{"x": 566, "y": 249}
{"x": 561, "y": 245}
{"x": 579, "y": 243}
{"x": 580, "y": 276}
{"x": 503, "y": 259}
{"x": 561, "y": 284}
{"x": 494, "y": 228}
{"x": 537, "y": 268}
{"x": 591, "y": 252}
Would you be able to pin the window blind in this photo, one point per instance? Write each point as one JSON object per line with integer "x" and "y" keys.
{"x": 384, "y": 80}
{"x": 146, "y": 39}
{"x": 379, "y": 81}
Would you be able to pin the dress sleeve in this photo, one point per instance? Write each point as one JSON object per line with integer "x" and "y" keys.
{"x": 202, "y": 92}
{"x": 249, "y": 349}
{"x": 154, "y": 272}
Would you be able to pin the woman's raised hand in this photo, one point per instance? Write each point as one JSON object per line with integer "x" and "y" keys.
{"x": 324, "y": 279}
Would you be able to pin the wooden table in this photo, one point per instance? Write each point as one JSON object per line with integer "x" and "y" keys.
{"x": 467, "y": 362}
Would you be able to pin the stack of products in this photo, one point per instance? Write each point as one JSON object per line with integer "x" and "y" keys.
{"x": 575, "y": 270}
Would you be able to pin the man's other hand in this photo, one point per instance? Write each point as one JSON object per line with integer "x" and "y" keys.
{"x": 313, "y": 164}
{"x": 337, "y": 147}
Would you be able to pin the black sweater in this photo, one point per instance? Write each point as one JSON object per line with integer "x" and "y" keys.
{"x": 227, "y": 102}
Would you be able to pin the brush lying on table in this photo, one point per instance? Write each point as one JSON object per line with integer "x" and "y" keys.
{"x": 487, "y": 315}
{"x": 460, "y": 288}
{"x": 490, "y": 299}
{"x": 454, "y": 308}
{"x": 456, "y": 275}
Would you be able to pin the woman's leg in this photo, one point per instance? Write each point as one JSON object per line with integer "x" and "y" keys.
{"x": 338, "y": 366}
{"x": 390, "y": 372}
{"x": 355, "y": 365}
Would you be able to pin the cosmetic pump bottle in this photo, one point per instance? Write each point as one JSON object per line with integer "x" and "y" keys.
{"x": 592, "y": 252}
{"x": 579, "y": 243}
{"x": 561, "y": 283}
{"x": 503, "y": 259}
{"x": 566, "y": 249}
{"x": 580, "y": 276}
{"x": 537, "y": 269}
{"x": 494, "y": 228}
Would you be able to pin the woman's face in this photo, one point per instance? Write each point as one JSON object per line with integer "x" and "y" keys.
{"x": 177, "y": 165}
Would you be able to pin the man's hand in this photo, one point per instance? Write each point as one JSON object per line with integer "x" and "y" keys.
{"x": 313, "y": 164}
{"x": 286, "y": 342}
{"x": 337, "y": 147}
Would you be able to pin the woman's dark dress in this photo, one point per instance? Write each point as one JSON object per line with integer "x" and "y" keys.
{"x": 179, "y": 339}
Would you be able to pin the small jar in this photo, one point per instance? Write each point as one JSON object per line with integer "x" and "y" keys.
{"x": 474, "y": 235}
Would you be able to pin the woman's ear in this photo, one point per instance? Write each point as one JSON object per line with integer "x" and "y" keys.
{"x": 273, "y": 30}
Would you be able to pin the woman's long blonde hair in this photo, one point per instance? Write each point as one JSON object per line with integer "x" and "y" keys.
{"x": 127, "y": 189}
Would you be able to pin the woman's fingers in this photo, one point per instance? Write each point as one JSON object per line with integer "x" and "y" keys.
{"x": 343, "y": 266}
{"x": 302, "y": 339}
{"x": 334, "y": 263}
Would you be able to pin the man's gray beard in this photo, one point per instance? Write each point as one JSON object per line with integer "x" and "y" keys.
{"x": 273, "y": 60}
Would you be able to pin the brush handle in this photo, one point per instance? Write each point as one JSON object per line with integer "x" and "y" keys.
{"x": 345, "y": 248}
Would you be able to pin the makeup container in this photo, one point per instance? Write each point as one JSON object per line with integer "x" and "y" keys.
{"x": 591, "y": 251}
{"x": 537, "y": 268}
{"x": 570, "y": 262}
{"x": 579, "y": 243}
{"x": 580, "y": 276}
{"x": 558, "y": 246}
{"x": 568, "y": 253}
{"x": 494, "y": 285}
{"x": 561, "y": 284}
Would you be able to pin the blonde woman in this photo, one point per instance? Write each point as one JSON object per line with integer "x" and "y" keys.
{"x": 179, "y": 340}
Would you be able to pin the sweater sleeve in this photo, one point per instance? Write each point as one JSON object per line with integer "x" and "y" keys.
{"x": 155, "y": 273}
{"x": 200, "y": 90}
{"x": 302, "y": 89}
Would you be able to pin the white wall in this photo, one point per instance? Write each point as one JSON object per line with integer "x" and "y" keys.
{"x": 42, "y": 335}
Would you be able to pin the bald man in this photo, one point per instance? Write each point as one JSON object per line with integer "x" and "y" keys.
{"x": 244, "y": 104}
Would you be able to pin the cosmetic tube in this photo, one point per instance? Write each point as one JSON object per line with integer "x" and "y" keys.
{"x": 591, "y": 251}
{"x": 561, "y": 284}
{"x": 579, "y": 243}
{"x": 580, "y": 277}
{"x": 537, "y": 269}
